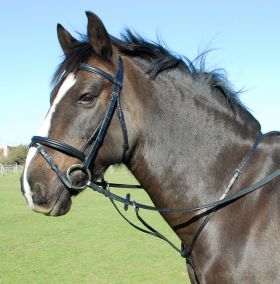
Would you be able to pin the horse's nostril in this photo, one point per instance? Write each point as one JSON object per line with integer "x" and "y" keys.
{"x": 39, "y": 190}
{"x": 37, "y": 187}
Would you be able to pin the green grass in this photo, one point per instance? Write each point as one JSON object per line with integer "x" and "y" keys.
{"x": 91, "y": 244}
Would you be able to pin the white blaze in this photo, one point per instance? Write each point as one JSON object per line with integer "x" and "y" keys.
{"x": 44, "y": 131}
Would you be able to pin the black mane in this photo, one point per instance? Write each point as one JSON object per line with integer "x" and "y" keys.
{"x": 159, "y": 58}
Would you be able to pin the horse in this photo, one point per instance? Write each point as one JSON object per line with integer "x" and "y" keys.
{"x": 182, "y": 132}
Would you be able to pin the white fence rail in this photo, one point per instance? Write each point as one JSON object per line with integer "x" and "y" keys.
{"x": 10, "y": 169}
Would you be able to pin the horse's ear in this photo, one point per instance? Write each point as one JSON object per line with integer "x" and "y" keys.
{"x": 65, "y": 39}
{"x": 98, "y": 36}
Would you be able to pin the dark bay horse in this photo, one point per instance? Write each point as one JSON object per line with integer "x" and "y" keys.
{"x": 180, "y": 130}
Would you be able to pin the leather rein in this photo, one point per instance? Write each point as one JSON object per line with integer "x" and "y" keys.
{"x": 95, "y": 142}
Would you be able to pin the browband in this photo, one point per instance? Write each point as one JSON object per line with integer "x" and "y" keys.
{"x": 92, "y": 69}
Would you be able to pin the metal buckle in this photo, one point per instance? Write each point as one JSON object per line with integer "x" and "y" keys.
{"x": 78, "y": 167}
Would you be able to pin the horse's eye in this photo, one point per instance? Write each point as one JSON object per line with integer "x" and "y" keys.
{"x": 86, "y": 98}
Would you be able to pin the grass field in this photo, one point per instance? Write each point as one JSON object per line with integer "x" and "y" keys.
{"x": 91, "y": 244}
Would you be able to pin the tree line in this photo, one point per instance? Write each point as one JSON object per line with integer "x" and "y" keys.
{"x": 17, "y": 155}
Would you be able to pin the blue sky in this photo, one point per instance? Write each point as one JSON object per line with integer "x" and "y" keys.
{"x": 245, "y": 36}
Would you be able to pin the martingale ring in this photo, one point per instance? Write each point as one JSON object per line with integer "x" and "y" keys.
{"x": 78, "y": 167}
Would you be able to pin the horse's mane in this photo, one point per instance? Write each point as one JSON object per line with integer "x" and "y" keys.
{"x": 159, "y": 59}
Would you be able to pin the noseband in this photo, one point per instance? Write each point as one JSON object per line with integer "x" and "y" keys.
{"x": 95, "y": 141}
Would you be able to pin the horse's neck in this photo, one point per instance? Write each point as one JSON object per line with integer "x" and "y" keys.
{"x": 189, "y": 144}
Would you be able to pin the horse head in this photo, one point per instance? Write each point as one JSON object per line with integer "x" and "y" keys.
{"x": 85, "y": 83}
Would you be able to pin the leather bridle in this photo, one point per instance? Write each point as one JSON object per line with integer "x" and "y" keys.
{"x": 95, "y": 142}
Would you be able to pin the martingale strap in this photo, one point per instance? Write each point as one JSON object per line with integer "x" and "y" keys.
{"x": 187, "y": 250}
{"x": 210, "y": 208}
{"x": 214, "y": 206}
